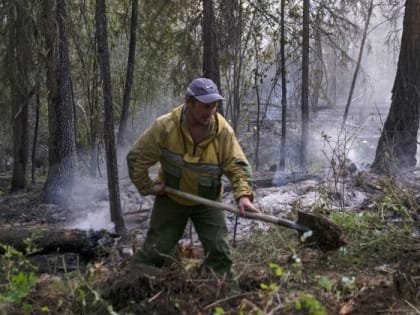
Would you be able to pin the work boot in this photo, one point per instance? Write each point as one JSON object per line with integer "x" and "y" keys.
{"x": 233, "y": 287}
{"x": 144, "y": 269}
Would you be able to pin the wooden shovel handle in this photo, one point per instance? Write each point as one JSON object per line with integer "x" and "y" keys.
{"x": 234, "y": 209}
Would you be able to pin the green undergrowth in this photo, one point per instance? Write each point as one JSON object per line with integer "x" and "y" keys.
{"x": 293, "y": 279}
{"x": 23, "y": 290}
{"x": 277, "y": 274}
{"x": 18, "y": 277}
{"x": 381, "y": 233}
{"x": 371, "y": 239}
{"x": 264, "y": 246}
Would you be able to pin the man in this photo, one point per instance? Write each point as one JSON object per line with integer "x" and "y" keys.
{"x": 195, "y": 147}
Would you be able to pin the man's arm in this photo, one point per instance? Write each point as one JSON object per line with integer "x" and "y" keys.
{"x": 239, "y": 172}
{"x": 144, "y": 154}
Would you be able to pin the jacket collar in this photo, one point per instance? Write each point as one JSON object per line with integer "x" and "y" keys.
{"x": 178, "y": 115}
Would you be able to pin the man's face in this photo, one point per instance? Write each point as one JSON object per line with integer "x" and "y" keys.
{"x": 201, "y": 113}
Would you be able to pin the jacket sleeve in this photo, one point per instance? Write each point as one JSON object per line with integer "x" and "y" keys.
{"x": 144, "y": 154}
{"x": 236, "y": 166}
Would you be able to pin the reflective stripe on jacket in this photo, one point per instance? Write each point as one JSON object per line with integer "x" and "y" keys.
{"x": 193, "y": 168}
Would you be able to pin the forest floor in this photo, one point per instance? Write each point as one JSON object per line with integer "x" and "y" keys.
{"x": 377, "y": 272}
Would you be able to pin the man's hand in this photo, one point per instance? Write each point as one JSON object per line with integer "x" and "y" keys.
{"x": 158, "y": 187}
{"x": 245, "y": 204}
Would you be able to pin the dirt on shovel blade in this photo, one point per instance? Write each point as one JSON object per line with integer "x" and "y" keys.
{"x": 325, "y": 234}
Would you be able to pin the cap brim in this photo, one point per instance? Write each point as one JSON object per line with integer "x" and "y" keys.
{"x": 209, "y": 98}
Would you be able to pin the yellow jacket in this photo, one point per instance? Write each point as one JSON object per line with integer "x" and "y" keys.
{"x": 189, "y": 167}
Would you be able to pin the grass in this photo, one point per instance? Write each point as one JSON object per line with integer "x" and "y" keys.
{"x": 376, "y": 237}
{"x": 372, "y": 240}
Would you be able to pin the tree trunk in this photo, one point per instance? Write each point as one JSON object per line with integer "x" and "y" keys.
{"x": 111, "y": 156}
{"x": 35, "y": 137}
{"x": 94, "y": 126}
{"x": 211, "y": 68}
{"x": 318, "y": 64}
{"x": 62, "y": 143}
{"x": 359, "y": 61}
{"x": 233, "y": 18}
{"x": 20, "y": 63}
{"x": 305, "y": 86}
{"x": 257, "y": 79}
{"x": 397, "y": 144}
{"x": 283, "y": 88}
{"x": 129, "y": 75}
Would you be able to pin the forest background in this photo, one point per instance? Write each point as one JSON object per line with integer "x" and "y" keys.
{"x": 308, "y": 85}
{"x": 53, "y": 96}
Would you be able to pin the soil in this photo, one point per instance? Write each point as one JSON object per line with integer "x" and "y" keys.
{"x": 111, "y": 283}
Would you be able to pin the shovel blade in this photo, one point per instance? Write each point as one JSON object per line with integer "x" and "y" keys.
{"x": 325, "y": 236}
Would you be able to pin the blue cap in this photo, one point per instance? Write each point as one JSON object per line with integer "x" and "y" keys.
{"x": 204, "y": 90}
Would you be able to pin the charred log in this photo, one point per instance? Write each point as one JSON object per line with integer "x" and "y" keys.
{"x": 88, "y": 244}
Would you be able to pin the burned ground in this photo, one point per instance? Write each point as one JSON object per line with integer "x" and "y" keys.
{"x": 375, "y": 273}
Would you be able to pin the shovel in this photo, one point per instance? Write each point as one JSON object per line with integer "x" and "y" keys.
{"x": 323, "y": 234}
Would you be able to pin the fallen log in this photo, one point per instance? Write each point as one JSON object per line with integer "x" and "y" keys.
{"x": 56, "y": 240}
{"x": 278, "y": 180}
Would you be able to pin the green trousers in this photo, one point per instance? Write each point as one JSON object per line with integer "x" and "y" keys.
{"x": 167, "y": 224}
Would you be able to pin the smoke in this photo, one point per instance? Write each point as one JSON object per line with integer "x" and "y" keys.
{"x": 90, "y": 205}
{"x": 369, "y": 106}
